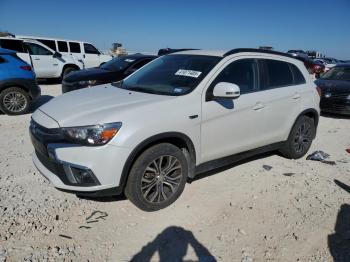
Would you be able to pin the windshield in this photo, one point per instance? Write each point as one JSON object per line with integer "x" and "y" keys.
{"x": 337, "y": 73}
{"x": 118, "y": 64}
{"x": 171, "y": 74}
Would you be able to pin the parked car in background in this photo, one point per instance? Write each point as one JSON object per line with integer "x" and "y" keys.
{"x": 327, "y": 62}
{"x": 314, "y": 68}
{"x": 46, "y": 62}
{"x": 182, "y": 114}
{"x": 335, "y": 88}
{"x": 82, "y": 51}
{"x": 18, "y": 87}
{"x": 114, "y": 70}
{"x": 299, "y": 53}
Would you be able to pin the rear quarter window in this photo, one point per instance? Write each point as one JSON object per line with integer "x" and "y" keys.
{"x": 2, "y": 60}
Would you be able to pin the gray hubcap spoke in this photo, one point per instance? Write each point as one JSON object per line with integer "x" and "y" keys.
{"x": 14, "y": 101}
{"x": 161, "y": 179}
{"x": 302, "y": 138}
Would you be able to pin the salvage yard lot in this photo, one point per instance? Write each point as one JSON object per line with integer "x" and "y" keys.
{"x": 296, "y": 210}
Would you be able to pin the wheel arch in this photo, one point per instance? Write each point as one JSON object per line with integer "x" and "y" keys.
{"x": 312, "y": 113}
{"x": 180, "y": 140}
{"x": 69, "y": 65}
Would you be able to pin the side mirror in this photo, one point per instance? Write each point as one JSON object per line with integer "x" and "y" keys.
{"x": 226, "y": 90}
{"x": 57, "y": 55}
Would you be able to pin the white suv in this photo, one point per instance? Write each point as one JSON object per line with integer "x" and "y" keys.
{"x": 180, "y": 115}
{"x": 47, "y": 63}
{"x": 85, "y": 52}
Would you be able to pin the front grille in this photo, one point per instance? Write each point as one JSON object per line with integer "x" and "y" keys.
{"x": 42, "y": 136}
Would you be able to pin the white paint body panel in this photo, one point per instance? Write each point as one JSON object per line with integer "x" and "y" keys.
{"x": 217, "y": 132}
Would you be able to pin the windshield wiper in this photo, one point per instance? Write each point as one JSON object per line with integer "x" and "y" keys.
{"x": 142, "y": 89}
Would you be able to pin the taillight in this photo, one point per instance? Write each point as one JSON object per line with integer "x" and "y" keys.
{"x": 319, "y": 91}
{"x": 27, "y": 68}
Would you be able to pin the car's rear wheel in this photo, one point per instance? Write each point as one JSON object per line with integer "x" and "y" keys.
{"x": 14, "y": 101}
{"x": 300, "y": 138}
{"x": 157, "y": 178}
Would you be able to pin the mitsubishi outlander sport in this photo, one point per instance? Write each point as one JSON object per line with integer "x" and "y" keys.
{"x": 178, "y": 116}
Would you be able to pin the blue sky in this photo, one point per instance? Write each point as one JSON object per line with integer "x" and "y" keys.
{"x": 322, "y": 25}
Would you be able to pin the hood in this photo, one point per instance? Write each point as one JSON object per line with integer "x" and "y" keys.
{"x": 95, "y": 73}
{"x": 98, "y": 105}
{"x": 334, "y": 85}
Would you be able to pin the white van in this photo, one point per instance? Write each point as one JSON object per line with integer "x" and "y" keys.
{"x": 84, "y": 51}
{"x": 47, "y": 63}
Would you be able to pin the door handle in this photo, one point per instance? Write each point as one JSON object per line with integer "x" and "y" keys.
{"x": 296, "y": 96}
{"x": 36, "y": 58}
{"x": 258, "y": 106}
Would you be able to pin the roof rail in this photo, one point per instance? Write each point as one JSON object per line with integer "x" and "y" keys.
{"x": 255, "y": 50}
{"x": 166, "y": 51}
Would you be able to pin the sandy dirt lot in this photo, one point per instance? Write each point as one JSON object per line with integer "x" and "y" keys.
{"x": 296, "y": 211}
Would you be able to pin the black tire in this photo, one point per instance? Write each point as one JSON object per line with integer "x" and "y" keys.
{"x": 68, "y": 70}
{"x": 14, "y": 101}
{"x": 167, "y": 187}
{"x": 300, "y": 138}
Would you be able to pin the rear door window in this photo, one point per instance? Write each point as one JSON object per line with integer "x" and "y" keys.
{"x": 90, "y": 49}
{"x": 13, "y": 44}
{"x": 74, "y": 47}
{"x": 49, "y": 43}
{"x": 62, "y": 46}
{"x": 277, "y": 74}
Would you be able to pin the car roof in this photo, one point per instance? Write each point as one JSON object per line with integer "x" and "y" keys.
{"x": 343, "y": 65}
{"x": 6, "y": 51}
{"x": 220, "y": 53}
{"x": 139, "y": 56}
{"x": 48, "y": 38}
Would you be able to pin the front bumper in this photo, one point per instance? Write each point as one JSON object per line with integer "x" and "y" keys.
{"x": 335, "y": 105}
{"x": 63, "y": 163}
{"x": 71, "y": 86}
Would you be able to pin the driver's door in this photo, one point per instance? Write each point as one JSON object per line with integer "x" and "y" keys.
{"x": 45, "y": 65}
{"x": 231, "y": 126}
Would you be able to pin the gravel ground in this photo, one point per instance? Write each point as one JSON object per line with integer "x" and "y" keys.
{"x": 295, "y": 211}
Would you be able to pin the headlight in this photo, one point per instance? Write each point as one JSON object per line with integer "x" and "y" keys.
{"x": 92, "y": 135}
{"x": 88, "y": 83}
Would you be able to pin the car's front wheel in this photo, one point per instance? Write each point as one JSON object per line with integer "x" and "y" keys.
{"x": 300, "y": 138}
{"x": 157, "y": 178}
{"x": 14, "y": 101}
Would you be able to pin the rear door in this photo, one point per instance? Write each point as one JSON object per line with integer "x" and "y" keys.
{"x": 91, "y": 56}
{"x": 281, "y": 94}
{"x": 75, "y": 50}
{"x": 45, "y": 65}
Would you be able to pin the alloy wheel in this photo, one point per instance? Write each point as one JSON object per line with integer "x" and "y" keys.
{"x": 14, "y": 102}
{"x": 161, "y": 179}
{"x": 303, "y": 138}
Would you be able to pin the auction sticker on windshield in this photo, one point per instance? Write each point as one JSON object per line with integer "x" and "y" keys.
{"x": 190, "y": 73}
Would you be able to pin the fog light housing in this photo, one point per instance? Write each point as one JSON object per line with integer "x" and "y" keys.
{"x": 80, "y": 176}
